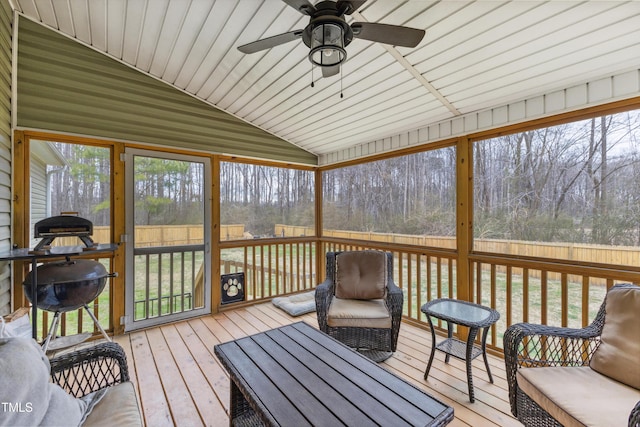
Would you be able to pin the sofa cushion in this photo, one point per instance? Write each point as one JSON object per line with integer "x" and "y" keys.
{"x": 361, "y": 275}
{"x": 358, "y": 313}
{"x": 579, "y": 396}
{"x": 617, "y": 355}
{"x": 118, "y": 407}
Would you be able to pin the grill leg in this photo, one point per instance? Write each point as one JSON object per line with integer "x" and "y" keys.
{"x": 52, "y": 331}
{"x": 95, "y": 320}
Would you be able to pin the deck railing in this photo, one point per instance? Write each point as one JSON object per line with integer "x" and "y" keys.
{"x": 272, "y": 267}
{"x": 557, "y": 293}
{"x": 521, "y": 288}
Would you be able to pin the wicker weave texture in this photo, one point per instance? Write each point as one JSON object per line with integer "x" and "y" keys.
{"x": 90, "y": 369}
{"x": 530, "y": 345}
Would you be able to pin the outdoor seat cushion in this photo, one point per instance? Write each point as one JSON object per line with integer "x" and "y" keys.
{"x": 118, "y": 407}
{"x": 358, "y": 313}
{"x": 579, "y": 396}
{"x": 361, "y": 275}
{"x": 618, "y": 355}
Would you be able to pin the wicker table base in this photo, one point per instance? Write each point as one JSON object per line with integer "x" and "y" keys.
{"x": 464, "y": 313}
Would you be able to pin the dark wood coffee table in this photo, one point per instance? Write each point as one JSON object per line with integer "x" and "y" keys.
{"x": 464, "y": 313}
{"x": 296, "y": 375}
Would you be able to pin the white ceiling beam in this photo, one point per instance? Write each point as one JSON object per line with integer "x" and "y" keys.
{"x": 411, "y": 69}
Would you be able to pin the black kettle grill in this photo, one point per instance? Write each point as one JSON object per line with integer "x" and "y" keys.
{"x": 66, "y": 285}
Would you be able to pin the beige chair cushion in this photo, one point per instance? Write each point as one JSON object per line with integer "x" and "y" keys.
{"x": 358, "y": 313}
{"x": 579, "y": 396}
{"x": 361, "y": 275}
{"x": 118, "y": 407}
{"x": 618, "y": 355}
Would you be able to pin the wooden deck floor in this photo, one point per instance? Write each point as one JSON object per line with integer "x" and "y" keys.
{"x": 180, "y": 381}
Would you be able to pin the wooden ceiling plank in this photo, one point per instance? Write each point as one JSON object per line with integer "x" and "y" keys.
{"x": 150, "y": 34}
{"x": 174, "y": 21}
{"x": 29, "y": 8}
{"x": 205, "y": 41}
{"x": 63, "y": 16}
{"x": 372, "y": 92}
{"x": 237, "y": 22}
{"x": 82, "y": 24}
{"x": 269, "y": 21}
{"x": 507, "y": 49}
{"x": 326, "y": 92}
{"x": 98, "y": 18}
{"x": 563, "y": 77}
{"x": 189, "y": 31}
{"x": 407, "y": 98}
{"x": 562, "y": 62}
{"x": 296, "y": 82}
{"x": 133, "y": 27}
{"x": 116, "y": 16}
{"x": 47, "y": 13}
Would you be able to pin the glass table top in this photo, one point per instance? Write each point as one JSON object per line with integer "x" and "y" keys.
{"x": 460, "y": 312}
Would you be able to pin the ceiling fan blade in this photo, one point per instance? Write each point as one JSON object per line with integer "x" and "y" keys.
{"x": 330, "y": 71}
{"x": 388, "y": 34}
{"x": 349, "y": 6}
{"x": 270, "y": 42}
{"x": 302, "y": 6}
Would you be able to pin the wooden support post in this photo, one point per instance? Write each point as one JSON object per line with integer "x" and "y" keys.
{"x": 320, "y": 255}
{"x": 118, "y": 229}
{"x": 216, "y": 296}
{"x": 464, "y": 227}
{"x": 21, "y": 222}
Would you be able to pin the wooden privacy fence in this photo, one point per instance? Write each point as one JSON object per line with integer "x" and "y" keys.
{"x": 161, "y": 235}
{"x": 583, "y": 253}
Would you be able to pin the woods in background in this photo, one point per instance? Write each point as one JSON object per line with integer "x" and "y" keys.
{"x": 576, "y": 182}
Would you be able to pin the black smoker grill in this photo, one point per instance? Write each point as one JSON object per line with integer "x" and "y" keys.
{"x": 66, "y": 285}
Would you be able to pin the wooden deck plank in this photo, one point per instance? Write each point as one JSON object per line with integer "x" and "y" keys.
{"x": 182, "y": 407}
{"x": 183, "y": 347}
{"x": 202, "y": 350}
{"x": 152, "y": 398}
{"x": 183, "y": 352}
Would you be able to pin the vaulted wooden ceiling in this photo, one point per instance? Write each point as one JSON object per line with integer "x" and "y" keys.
{"x": 475, "y": 55}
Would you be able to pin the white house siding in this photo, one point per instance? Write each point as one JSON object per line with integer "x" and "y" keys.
{"x": 6, "y": 17}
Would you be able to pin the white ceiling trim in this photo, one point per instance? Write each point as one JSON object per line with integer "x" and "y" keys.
{"x": 595, "y": 92}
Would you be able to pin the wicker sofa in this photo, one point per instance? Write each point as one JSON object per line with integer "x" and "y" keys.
{"x": 88, "y": 387}
{"x": 578, "y": 377}
{"x": 359, "y": 304}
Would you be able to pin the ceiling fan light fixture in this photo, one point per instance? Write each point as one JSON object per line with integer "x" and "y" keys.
{"x": 327, "y": 45}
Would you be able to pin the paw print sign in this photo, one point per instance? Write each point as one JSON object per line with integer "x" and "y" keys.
{"x": 232, "y": 287}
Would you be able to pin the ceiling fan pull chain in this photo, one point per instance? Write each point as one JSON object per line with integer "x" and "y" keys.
{"x": 312, "y": 84}
{"x": 341, "y": 95}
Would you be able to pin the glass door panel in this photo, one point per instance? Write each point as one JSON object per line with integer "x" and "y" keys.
{"x": 168, "y": 254}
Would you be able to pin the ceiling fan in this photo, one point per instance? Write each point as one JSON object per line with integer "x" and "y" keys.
{"x": 328, "y": 34}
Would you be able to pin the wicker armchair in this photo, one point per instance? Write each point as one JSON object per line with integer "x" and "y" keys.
{"x": 94, "y": 368}
{"x": 90, "y": 369}
{"x": 539, "y": 346}
{"x": 357, "y": 329}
